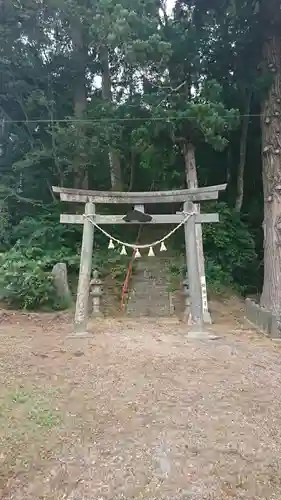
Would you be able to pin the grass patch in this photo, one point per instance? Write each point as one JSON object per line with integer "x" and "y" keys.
{"x": 19, "y": 397}
{"x": 26, "y": 417}
{"x": 29, "y": 423}
{"x": 44, "y": 417}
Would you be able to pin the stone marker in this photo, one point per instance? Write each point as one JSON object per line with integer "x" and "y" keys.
{"x": 96, "y": 293}
{"x": 59, "y": 273}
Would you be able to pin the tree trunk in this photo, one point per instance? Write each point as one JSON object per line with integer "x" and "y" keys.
{"x": 192, "y": 182}
{"x": 79, "y": 98}
{"x": 113, "y": 155}
{"x": 243, "y": 150}
{"x": 228, "y": 165}
{"x": 271, "y": 151}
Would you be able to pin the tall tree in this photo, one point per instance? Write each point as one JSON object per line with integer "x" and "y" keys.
{"x": 194, "y": 96}
{"x": 83, "y": 82}
{"x": 80, "y": 60}
{"x": 270, "y": 19}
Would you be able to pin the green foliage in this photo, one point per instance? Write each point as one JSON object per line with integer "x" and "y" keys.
{"x": 230, "y": 252}
{"x": 111, "y": 264}
{"x": 230, "y": 257}
{"x": 220, "y": 279}
{"x": 45, "y": 232}
{"x": 24, "y": 283}
{"x": 5, "y": 230}
{"x": 170, "y": 79}
{"x": 25, "y": 270}
{"x": 176, "y": 274}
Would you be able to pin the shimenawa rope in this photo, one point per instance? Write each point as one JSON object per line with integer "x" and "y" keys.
{"x": 134, "y": 246}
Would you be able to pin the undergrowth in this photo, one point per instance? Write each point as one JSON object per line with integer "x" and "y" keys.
{"x": 36, "y": 245}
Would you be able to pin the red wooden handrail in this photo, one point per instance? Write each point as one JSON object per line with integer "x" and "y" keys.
{"x": 128, "y": 275}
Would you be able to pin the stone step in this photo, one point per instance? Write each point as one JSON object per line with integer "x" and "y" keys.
{"x": 149, "y": 309}
{"x": 149, "y": 282}
{"x": 148, "y": 299}
{"x": 144, "y": 300}
{"x": 148, "y": 287}
{"x": 148, "y": 291}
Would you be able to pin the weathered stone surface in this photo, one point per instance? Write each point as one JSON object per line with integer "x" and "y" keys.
{"x": 59, "y": 273}
{"x": 262, "y": 319}
{"x": 194, "y": 334}
{"x": 151, "y": 292}
{"x": 96, "y": 293}
{"x": 149, "y": 295}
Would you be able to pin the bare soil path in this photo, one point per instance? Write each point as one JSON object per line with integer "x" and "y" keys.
{"x": 137, "y": 411}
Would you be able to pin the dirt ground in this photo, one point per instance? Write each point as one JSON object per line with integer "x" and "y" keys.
{"x": 138, "y": 411}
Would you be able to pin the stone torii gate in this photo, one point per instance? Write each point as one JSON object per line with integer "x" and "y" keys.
{"x": 197, "y": 289}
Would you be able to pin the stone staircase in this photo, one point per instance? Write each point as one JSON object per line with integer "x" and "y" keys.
{"x": 149, "y": 293}
{"x": 149, "y": 290}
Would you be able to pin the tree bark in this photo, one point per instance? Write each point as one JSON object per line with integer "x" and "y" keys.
{"x": 243, "y": 151}
{"x": 79, "y": 97}
{"x": 192, "y": 182}
{"x": 271, "y": 151}
{"x": 228, "y": 165}
{"x": 113, "y": 155}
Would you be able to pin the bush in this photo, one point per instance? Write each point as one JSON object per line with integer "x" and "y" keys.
{"x": 111, "y": 264}
{"x": 48, "y": 258}
{"x": 231, "y": 258}
{"x": 5, "y": 229}
{"x": 26, "y": 280}
{"x": 24, "y": 283}
{"x": 218, "y": 279}
{"x": 46, "y": 232}
{"x": 229, "y": 248}
{"x": 38, "y": 243}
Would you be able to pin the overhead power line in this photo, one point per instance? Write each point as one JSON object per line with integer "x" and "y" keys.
{"x": 126, "y": 119}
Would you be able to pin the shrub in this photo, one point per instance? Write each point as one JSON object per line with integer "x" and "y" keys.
{"x": 24, "y": 283}
{"x": 4, "y": 229}
{"x": 231, "y": 258}
{"x": 218, "y": 279}
{"x": 111, "y": 264}
{"x": 46, "y": 232}
{"x": 48, "y": 258}
{"x": 229, "y": 249}
{"x": 26, "y": 280}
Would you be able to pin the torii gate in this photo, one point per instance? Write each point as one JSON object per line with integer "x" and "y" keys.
{"x": 198, "y": 293}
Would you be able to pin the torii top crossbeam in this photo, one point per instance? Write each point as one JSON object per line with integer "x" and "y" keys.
{"x": 139, "y": 198}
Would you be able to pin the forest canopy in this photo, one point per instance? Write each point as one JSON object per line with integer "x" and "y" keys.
{"x": 134, "y": 96}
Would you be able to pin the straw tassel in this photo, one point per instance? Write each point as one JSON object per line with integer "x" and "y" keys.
{"x": 163, "y": 247}
{"x": 151, "y": 252}
{"x": 123, "y": 251}
{"x": 111, "y": 244}
{"x": 137, "y": 254}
